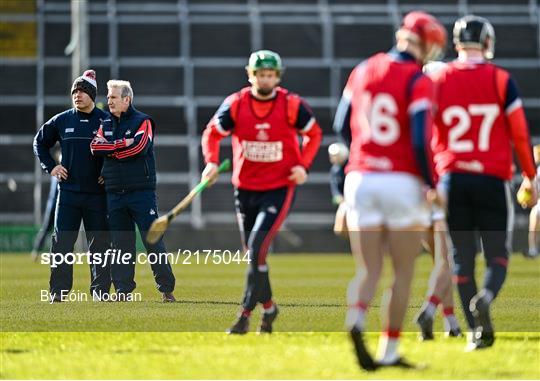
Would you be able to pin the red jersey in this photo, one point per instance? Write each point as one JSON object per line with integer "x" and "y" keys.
{"x": 264, "y": 138}
{"x": 478, "y": 119}
{"x": 384, "y": 93}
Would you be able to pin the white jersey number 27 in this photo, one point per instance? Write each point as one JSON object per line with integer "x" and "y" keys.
{"x": 488, "y": 112}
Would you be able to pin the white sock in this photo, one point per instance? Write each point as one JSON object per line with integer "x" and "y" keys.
{"x": 356, "y": 311}
{"x": 270, "y": 310}
{"x": 355, "y": 318}
{"x": 429, "y": 308}
{"x": 387, "y": 352}
{"x": 450, "y": 323}
{"x": 487, "y": 295}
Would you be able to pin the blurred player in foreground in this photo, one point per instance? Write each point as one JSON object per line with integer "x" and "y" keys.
{"x": 479, "y": 118}
{"x": 338, "y": 155}
{"x": 440, "y": 290}
{"x": 386, "y": 109}
{"x": 264, "y": 121}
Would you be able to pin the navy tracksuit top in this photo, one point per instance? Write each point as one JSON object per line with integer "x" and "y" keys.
{"x": 74, "y": 130}
{"x": 132, "y": 173}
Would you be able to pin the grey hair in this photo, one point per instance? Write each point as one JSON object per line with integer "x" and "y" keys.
{"x": 124, "y": 86}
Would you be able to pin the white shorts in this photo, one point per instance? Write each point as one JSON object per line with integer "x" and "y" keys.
{"x": 394, "y": 200}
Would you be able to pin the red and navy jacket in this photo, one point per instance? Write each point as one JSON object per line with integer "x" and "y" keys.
{"x": 264, "y": 138}
{"x": 73, "y": 130}
{"x": 130, "y": 168}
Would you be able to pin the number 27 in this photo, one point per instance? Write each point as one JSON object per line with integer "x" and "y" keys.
{"x": 488, "y": 112}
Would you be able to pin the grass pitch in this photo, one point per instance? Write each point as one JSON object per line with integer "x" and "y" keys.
{"x": 151, "y": 340}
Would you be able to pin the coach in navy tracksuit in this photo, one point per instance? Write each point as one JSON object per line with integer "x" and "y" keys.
{"x": 126, "y": 142}
{"x": 81, "y": 197}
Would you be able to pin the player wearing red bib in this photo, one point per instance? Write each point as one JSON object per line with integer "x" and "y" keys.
{"x": 479, "y": 118}
{"x": 264, "y": 121}
{"x": 385, "y": 118}
{"x": 440, "y": 290}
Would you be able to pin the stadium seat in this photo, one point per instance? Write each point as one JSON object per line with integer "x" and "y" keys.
{"x": 303, "y": 40}
{"x": 228, "y": 40}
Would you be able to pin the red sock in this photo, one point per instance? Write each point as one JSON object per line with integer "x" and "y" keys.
{"x": 360, "y": 305}
{"x": 268, "y": 304}
{"x": 448, "y": 311}
{"x": 246, "y": 313}
{"x": 392, "y": 333}
{"x": 434, "y": 300}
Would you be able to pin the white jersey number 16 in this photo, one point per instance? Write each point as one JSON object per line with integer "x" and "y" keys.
{"x": 379, "y": 124}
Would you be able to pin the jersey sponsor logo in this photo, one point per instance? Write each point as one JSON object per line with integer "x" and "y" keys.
{"x": 262, "y": 134}
{"x": 471, "y": 166}
{"x": 382, "y": 163}
{"x": 108, "y": 133}
{"x": 263, "y": 152}
{"x": 83, "y": 120}
{"x": 70, "y": 130}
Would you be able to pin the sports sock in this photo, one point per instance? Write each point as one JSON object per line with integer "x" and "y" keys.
{"x": 486, "y": 294}
{"x": 387, "y": 352}
{"x": 450, "y": 321}
{"x": 269, "y": 307}
{"x": 430, "y": 305}
{"x": 495, "y": 274}
{"x": 356, "y": 315}
{"x": 467, "y": 289}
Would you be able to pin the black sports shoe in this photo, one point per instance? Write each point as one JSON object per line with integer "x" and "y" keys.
{"x": 167, "y": 297}
{"x": 364, "y": 358}
{"x": 400, "y": 362}
{"x": 483, "y": 333}
{"x": 425, "y": 323}
{"x": 484, "y": 339}
{"x": 57, "y": 298}
{"x": 479, "y": 307}
{"x": 479, "y": 340}
{"x": 530, "y": 254}
{"x": 455, "y": 332}
{"x": 241, "y": 327}
{"x": 267, "y": 320}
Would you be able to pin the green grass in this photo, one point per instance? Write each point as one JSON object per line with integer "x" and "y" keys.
{"x": 151, "y": 340}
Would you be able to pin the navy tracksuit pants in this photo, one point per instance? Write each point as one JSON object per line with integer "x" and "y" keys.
{"x": 260, "y": 215}
{"x": 478, "y": 205}
{"x": 124, "y": 211}
{"x": 71, "y": 208}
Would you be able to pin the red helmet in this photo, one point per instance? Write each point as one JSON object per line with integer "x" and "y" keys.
{"x": 422, "y": 26}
